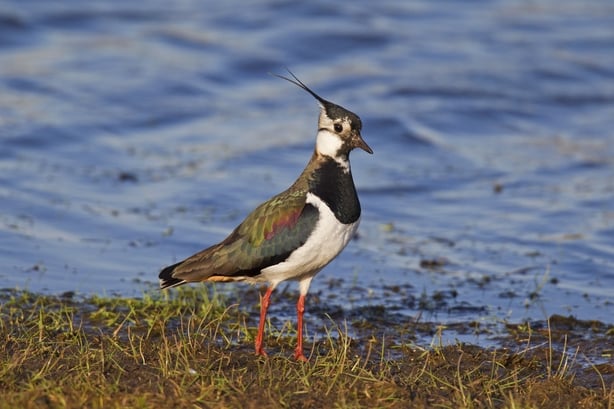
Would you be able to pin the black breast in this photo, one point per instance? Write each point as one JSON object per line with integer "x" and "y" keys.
{"x": 335, "y": 187}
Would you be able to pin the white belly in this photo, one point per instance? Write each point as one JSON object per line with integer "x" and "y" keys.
{"x": 329, "y": 237}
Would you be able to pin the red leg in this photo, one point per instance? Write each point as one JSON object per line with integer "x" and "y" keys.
{"x": 264, "y": 305}
{"x": 300, "y": 309}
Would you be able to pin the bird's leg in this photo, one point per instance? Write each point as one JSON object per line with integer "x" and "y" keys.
{"x": 300, "y": 309}
{"x": 264, "y": 305}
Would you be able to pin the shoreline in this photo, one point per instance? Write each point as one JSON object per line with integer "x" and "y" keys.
{"x": 193, "y": 348}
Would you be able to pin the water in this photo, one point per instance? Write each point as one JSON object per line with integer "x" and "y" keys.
{"x": 133, "y": 135}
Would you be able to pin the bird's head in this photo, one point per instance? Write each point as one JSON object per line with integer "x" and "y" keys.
{"x": 338, "y": 128}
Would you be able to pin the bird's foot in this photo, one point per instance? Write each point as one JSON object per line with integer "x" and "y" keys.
{"x": 298, "y": 355}
{"x": 260, "y": 351}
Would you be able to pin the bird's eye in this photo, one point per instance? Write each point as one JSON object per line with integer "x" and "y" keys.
{"x": 338, "y": 127}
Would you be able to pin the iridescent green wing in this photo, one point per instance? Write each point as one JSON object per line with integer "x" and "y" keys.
{"x": 274, "y": 230}
{"x": 266, "y": 237}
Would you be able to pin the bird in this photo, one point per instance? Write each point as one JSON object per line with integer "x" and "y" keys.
{"x": 296, "y": 233}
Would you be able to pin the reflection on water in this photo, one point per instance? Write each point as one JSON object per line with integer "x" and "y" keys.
{"x": 134, "y": 134}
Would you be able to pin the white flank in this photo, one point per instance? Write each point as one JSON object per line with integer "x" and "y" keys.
{"x": 329, "y": 237}
{"x": 328, "y": 144}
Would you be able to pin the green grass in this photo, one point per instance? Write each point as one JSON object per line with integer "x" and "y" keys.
{"x": 191, "y": 349}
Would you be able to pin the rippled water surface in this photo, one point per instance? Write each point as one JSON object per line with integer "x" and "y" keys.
{"x": 136, "y": 133}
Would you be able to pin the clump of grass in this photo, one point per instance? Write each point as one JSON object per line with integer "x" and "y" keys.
{"x": 192, "y": 348}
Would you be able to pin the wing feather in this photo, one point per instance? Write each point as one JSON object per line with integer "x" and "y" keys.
{"x": 266, "y": 237}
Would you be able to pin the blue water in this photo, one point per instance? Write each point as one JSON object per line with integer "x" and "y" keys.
{"x": 136, "y": 133}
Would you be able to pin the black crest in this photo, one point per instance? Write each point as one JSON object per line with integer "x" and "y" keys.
{"x": 333, "y": 111}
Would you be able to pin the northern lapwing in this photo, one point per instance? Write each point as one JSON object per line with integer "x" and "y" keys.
{"x": 295, "y": 234}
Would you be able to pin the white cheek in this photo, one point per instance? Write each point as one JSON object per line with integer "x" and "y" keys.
{"x": 328, "y": 143}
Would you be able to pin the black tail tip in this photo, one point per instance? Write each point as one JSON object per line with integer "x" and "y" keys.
{"x": 166, "y": 277}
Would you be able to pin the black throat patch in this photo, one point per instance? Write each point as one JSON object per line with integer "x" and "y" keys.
{"x": 334, "y": 185}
